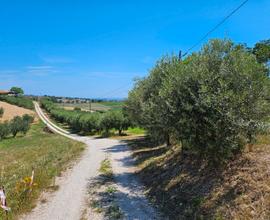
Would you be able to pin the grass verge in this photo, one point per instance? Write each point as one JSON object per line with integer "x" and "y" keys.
{"x": 102, "y": 192}
{"x": 47, "y": 153}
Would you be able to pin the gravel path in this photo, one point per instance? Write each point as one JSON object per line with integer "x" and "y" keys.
{"x": 68, "y": 202}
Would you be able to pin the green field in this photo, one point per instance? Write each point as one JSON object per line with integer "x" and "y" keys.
{"x": 48, "y": 158}
{"x": 95, "y": 106}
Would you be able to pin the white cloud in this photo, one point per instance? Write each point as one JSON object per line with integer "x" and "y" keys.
{"x": 41, "y": 70}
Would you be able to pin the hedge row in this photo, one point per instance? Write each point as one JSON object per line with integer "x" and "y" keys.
{"x": 16, "y": 125}
{"x": 86, "y": 122}
{"x": 19, "y": 101}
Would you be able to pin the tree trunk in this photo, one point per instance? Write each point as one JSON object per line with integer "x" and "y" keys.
{"x": 168, "y": 142}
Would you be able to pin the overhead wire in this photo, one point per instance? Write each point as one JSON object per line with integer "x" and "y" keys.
{"x": 193, "y": 46}
{"x": 215, "y": 27}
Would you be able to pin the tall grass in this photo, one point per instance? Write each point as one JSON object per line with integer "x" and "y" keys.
{"x": 46, "y": 153}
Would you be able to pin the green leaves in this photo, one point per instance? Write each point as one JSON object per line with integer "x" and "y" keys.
{"x": 19, "y": 101}
{"x": 86, "y": 122}
{"x": 262, "y": 51}
{"x": 212, "y": 102}
{"x": 16, "y": 125}
{"x": 17, "y": 90}
{"x": 1, "y": 112}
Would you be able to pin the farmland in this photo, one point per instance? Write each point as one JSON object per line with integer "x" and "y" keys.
{"x": 95, "y": 106}
{"x": 10, "y": 111}
{"x": 19, "y": 101}
{"x": 106, "y": 123}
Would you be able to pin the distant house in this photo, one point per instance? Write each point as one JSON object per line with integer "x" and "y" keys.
{"x": 5, "y": 92}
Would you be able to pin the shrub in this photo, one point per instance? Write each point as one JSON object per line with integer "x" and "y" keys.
{"x": 28, "y": 118}
{"x": 1, "y": 112}
{"x": 77, "y": 109}
{"x": 25, "y": 126}
{"x": 4, "y": 130}
{"x": 16, "y": 125}
{"x": 20, "y": 124}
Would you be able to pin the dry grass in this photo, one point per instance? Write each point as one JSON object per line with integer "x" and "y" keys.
{"x": 186, "y": 188}
{"x": 47, "y": 153}
{"x": 10, "y": 111}
{"x": 101, "y": 199}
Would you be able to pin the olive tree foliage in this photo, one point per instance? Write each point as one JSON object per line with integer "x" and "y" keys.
{"x": 1, "y": 112}
{"x": 16, "y": 125}
{"x": 81, "y": 121}
{"x": 213, "y": 102}
{"x": 114, "y": 120}
{"x": 4, "y": 130}
{"x": 146, "y": 107}
{"x": 262, "y": 51}
{"x": 120, "y": 121}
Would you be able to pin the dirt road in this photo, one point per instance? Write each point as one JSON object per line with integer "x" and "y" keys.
{"x": 67, "y": 203}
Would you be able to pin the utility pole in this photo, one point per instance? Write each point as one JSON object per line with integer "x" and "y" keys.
{"x": 180, "y": 55}
{"x": 90, "y": 105}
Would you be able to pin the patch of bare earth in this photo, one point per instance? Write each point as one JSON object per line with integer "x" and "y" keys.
{"x": 185, "y": 187}
{"x": 10, "y": 111}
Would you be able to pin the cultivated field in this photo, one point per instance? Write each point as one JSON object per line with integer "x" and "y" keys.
{"x": 10, "y": 111}
{"x": 96, "y": 106}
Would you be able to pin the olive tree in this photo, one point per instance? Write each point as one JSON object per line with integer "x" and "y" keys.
{"x": 4, "y": 130}
{"x": 213, "y": 102}
{"x": 1, "y": 112}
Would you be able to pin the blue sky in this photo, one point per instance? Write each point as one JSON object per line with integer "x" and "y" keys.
{"x": 96, "y": 48}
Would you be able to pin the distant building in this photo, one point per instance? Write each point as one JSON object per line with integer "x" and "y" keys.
{"x": 5, "y": 92}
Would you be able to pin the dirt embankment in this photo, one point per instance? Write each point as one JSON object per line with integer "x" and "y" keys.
{"x": 186, "y": 188}
{"x": 10, "y": 111}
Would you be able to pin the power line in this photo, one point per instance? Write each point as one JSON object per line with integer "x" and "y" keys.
{"x": 105, "y": 95}
{"x": 214, "y": 28}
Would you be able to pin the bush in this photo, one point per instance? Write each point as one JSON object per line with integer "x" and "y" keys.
{"x": 20, "y": 124}
{"x": 1, "y": 112}
{"x": 212, "y": 102}
{"x": 28, "y": 118}
{"x": 4, "y": 130}
{"x": 77, "y": 109}
{"x": 16, "y": 125}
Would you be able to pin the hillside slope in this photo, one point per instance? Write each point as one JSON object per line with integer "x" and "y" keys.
{"x": 187, "y": 188}
{"x": 10, "y": 111}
